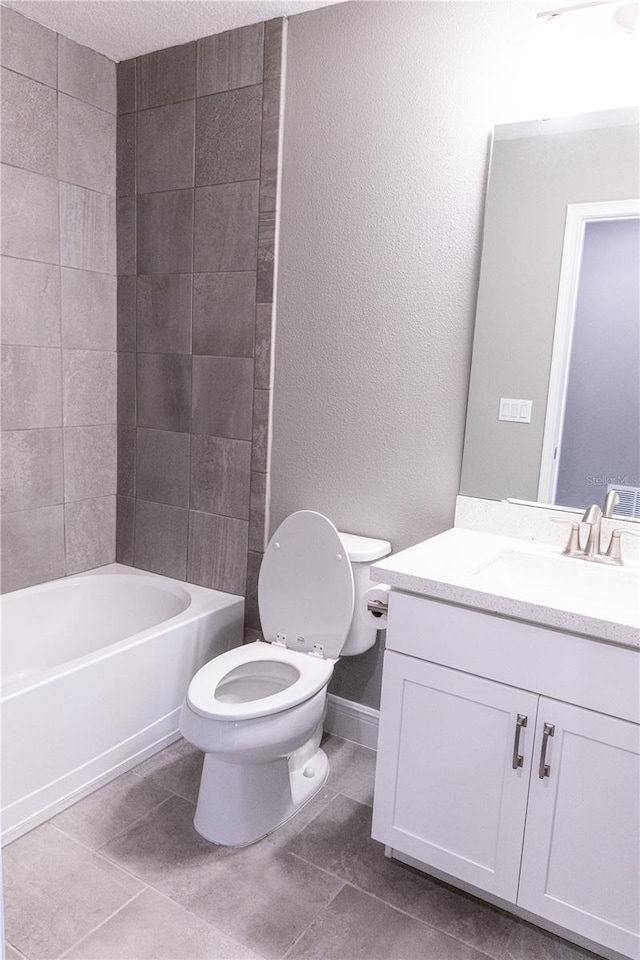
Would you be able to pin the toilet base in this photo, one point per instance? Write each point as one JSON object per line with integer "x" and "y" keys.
{"x": 241, "y": 803}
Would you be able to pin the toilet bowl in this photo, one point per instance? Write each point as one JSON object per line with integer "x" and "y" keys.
{"x": 257, "y": 711}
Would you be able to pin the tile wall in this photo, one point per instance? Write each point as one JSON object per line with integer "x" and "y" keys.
{"x": 198, "y": 129}
{"x": 58, "y": 464}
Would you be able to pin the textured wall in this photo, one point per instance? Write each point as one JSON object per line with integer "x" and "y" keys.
{"x": 389, "y": 109}
{"x": 58, "y": 305}
{"x": 197, "y": 168}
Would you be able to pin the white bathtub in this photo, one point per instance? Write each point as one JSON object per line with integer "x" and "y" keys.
{"x": 94, "y": 671}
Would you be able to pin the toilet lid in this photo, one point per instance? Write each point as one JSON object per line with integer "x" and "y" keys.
{"x": 305, "y": 588}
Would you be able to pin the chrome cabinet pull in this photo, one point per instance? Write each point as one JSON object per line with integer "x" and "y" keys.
{"x": 518, "y": 758}
{"x": 547, "y": 731}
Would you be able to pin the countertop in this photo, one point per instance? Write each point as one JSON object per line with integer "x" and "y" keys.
{"x": 450, "y": 567}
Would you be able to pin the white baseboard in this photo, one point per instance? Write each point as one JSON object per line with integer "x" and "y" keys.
{"x": 352, "y": 721}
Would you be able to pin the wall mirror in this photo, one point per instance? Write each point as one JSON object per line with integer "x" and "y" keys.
{"x": 554, "y": 396}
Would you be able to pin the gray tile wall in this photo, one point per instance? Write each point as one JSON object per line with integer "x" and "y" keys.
{"x": 197, "y": 153}
{"x": 58, "y": 333}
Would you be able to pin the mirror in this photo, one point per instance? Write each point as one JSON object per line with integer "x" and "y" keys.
{"x": 557, "y": 320}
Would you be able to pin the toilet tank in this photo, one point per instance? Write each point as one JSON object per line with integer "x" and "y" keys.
{"x": 362, "y": 552}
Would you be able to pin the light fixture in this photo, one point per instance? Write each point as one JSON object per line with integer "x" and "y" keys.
{"x": 626, "y": 16}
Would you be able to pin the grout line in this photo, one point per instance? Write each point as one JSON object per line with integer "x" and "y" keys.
{"x": 103, "y": 922}
{"x": 317, "y": 917}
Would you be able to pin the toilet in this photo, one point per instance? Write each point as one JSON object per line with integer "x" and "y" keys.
{"x": 257, "y": 711}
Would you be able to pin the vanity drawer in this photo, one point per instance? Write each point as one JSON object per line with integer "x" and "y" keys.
{"x": 576, "y": 669}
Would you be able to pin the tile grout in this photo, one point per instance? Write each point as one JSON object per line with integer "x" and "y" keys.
{"x": 100, "y": 925}
{"x": 368, "y": 893}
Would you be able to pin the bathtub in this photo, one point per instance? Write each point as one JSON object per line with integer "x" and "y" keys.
{"x": 94, "y": 671}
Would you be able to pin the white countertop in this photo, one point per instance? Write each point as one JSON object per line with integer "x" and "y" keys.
{"x": 458, "y": 567}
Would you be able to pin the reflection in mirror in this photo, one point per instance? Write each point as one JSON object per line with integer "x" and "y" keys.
{"x": 592, "y": 427}
{"x": 556, "y": 323}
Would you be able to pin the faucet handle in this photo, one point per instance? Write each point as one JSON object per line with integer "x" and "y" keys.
{"x": 614, "y": 553}
{"x": 573, "y": 548}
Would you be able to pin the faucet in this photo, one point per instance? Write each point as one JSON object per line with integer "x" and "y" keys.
{"x": 592, "y": 549}
{"x": 593, "y": 518}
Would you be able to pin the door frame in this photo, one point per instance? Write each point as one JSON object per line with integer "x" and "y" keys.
{"x": 578, "y": 216}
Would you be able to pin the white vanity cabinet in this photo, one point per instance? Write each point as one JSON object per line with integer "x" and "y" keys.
{"x": 509, "y": 761}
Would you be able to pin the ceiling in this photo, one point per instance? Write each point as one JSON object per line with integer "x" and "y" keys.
{"x": 121, "y": 29}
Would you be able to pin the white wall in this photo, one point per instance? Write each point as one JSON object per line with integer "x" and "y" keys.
{"x": 388, "y": 114}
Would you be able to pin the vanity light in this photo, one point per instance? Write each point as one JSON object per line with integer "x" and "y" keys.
{"x": 625, "y": 16}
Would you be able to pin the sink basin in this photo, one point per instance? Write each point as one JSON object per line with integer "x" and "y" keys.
{"x": 590, "y": 588}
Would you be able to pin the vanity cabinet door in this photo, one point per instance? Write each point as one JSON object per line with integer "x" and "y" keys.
{"x": 447, "y": 791}
{"x": 581, "y": 858}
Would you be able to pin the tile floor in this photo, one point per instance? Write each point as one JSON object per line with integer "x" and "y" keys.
{"x": 122, "y": 875}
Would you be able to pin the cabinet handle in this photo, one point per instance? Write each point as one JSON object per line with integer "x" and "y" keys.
{"x": 547, "y": 731}
{"x": 518, "y": 759}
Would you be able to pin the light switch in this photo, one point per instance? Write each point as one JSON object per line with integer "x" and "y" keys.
{"x": 516, "y": 411}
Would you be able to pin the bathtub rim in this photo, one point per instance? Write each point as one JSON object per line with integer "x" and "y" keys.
{"x": 203, "y": 600}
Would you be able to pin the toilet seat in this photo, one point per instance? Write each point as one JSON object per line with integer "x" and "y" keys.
{"x": 306, "y": 590}
{"x": 313, "y": 674}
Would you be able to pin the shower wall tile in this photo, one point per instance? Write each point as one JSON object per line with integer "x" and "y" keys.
{"x": 28, "y": 113}
{"x": 126, "y": 86}
{"x": 165, "y": 232}
{"x": 217, "y": 552}
{"x": 224, "y": 311}
{"x": 127, "y": 389}
{"x": 126, "y": 235}
{"x": 126, "y": 486}
{"x": 29, "y": 215}
{"x": 231, "y": 59}
{"x": 166, "y": 76}
{"x": 257, "y": 512}
{"x": 232, "y": 121}
{"x": 126, "y": 156}
{"x": 160, "y": 539}
{"x": 32, "y": 547}
{"x": 31, "y": 469}
{"x": 162, "y": 466}
{"x": 90, "y": 533}
{"x": 221, "y": 476}
{"x": 164, "y": 391}
{"x": 165, "y": 143}
{"x": 266, "y": 257}
{"x": 89, "y": 387}
{"x": 251, "y": 613}
{"x": 164, "y": 313}
{"x": 86, "y": 75}
{"x": 31, "y": 388}
{"x": 264, "y": 337}
{"x": 87, "y": 229}
{"x": 222, "y": 397}
{"x": 28, "y": 48}
{"x": 30, "y": 303}
{"x": 269, "y": 147}
{"x": 197, "y": 317}
{"x": 88, "y": 307}
{"x": 125, "y": 519}
{"x": 226, "y": 227}
{"x": 85, "y": 139}
{"x": 90, "y": 462}
{"x": 58, "y": 291}
{"x": 126, "y": 313}
{"x": 260, "y": 437}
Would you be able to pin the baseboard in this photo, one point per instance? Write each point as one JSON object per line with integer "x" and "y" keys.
{"x": 352, "y": 721}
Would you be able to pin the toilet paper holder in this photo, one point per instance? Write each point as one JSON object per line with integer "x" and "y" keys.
{"x": 377, "y": 607}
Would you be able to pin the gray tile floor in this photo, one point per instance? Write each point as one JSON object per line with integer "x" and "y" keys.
{"x": 122, "y": 875}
